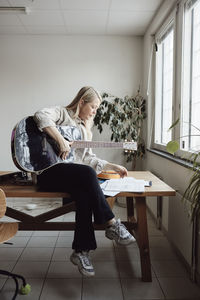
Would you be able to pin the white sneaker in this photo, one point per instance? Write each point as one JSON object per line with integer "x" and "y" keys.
{"x": 82, "y": 260}
{"x": 119, "y": 233}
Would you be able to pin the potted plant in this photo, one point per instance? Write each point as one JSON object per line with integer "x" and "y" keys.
{"x": 192, "y": 192}
{"x": 124, "y": 116}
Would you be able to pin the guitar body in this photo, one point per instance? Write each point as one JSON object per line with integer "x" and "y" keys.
{"x": 33, "y": 150}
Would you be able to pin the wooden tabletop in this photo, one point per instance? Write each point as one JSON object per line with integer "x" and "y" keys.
{"x": 158, "y": 188}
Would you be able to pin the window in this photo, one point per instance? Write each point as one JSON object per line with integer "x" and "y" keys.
{"x": 164, "y": 85}
{"x": 177, "y": 79}
{"x": 190, "y": 120}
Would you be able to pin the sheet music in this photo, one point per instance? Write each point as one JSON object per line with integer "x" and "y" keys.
{"x": 127, "y": 184}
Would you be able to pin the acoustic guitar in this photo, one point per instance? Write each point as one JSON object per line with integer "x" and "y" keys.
{"x": 33, "y": 150}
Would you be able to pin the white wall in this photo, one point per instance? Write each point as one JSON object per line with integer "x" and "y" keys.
{"x": 39, "y": 71}
{"x": 175, "y": 175}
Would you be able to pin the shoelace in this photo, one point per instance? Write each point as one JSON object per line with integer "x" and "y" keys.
{"x": 85, "y": 259}
{"x": 120, "y": 228}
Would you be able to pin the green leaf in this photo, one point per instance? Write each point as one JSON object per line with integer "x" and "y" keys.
{"x": 172, "y": 146}
{"x": 174, "y": 124}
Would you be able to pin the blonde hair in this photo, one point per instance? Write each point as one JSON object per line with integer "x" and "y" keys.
{"x": 87, "y": 94}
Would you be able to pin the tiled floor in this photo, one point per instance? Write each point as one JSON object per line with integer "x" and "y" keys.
{"x": 43, "y": 258}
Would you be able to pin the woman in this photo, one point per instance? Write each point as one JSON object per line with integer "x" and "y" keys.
{"x": 79, "y": 178}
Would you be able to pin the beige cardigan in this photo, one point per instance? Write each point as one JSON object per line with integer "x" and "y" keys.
{"x": 59, "y": 115}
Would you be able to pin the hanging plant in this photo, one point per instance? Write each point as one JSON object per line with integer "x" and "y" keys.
{"x": 124, "y": 116}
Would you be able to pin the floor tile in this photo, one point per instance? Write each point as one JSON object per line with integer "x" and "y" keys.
{"x": 102, "y": 289}
{"x": 150, "y": 221}
{"x": 162, "y": 253}
{"x": 158, "y": 241}
{"x": 46, "y": 233}
{"x": 64, "y": 241}
{"x": 103, "y": 242}
{"x": 62, "y": 254}
{"x": 100, "y": 233}
{"x": 103, "y": 254}
{"x": 30, "y": 269}
{"x": 105, "y": 269}
{"x": 130, "y": 269}
{"x": 66, "y": 233}
{"x": 9, "y": 289}
{"x": 24, "y": 233}
{"x": 169, "y": 268}
{"x": 132, "y": 245}
{"x": 7, "y": 219}
{"x": 127, "y": 253}
{"x": 2, "y": 281}
{"x": 6, "y": 266}
{"x": 17, "y": 241}
{"x": 37, "y": 254}
{"x": 136, "y": 289}
{"x": 152, "y": 231}
{"x": 62, "y": 289}
{"x": 63, "y": 270}
{"x": 10, "y": 253}
{"x": 39, "y": 241}
{"x": 179, "y": 288}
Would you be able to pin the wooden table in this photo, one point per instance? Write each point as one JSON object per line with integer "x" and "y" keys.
{"x": 136, "y": 218}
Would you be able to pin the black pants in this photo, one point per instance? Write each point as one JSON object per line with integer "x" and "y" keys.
{"x": 82, "y": 184}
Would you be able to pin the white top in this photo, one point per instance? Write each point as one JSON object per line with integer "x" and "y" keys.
{"x": 59, "y": 115}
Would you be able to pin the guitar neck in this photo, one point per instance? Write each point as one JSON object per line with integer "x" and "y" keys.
{"x": 93, "y": 144}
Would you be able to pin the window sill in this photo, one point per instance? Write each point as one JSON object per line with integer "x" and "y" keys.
{"x": 171, "y": 157}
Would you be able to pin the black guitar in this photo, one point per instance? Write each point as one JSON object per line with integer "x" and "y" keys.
{"x": 33, "y": 150}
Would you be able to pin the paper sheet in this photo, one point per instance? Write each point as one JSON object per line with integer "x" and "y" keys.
{"x": 127, "y": 184}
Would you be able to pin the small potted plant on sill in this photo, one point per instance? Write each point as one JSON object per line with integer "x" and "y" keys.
{"x": 125, "y": 117}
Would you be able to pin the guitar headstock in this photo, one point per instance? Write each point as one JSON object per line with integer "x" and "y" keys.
{"x": 130, "y": 146}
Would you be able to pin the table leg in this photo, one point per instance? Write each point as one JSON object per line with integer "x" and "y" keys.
{"x": 131, "y": 221}
{"x": 130, "y": 208}
{"x": 142, "y": 238}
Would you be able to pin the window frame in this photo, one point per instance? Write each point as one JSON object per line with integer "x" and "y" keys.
{"x": 178, "y": 17}
{"x": 186, "y": 2}
{"x": 170, "y": 22}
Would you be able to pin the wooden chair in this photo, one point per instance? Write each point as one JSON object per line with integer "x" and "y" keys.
{"x": 7, "y": 231}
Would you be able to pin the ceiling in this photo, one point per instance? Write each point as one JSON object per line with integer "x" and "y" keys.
{"x": 79, "y": 17}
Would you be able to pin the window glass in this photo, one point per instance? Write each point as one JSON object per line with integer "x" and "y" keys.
{"x": 164, "y": 86}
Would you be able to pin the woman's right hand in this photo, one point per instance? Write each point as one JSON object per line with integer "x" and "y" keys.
{"x": 64, "y": 147}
